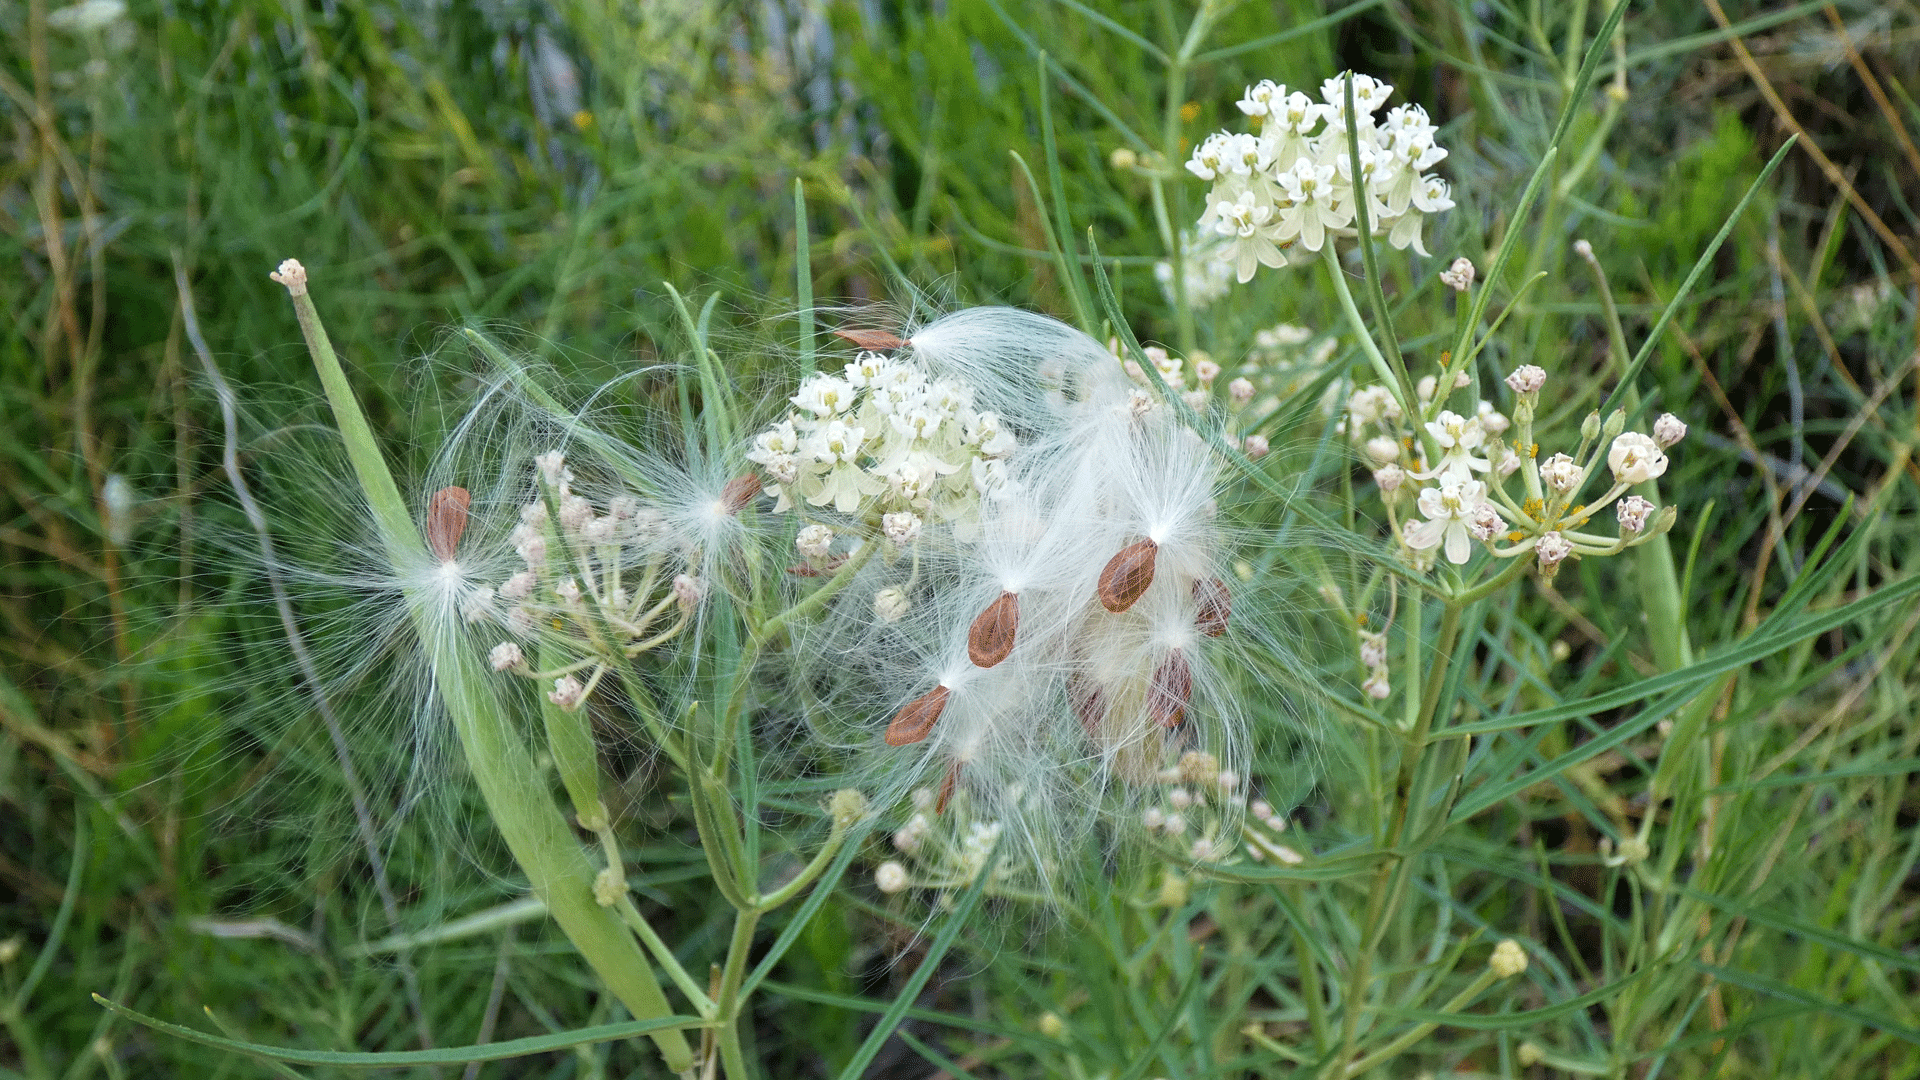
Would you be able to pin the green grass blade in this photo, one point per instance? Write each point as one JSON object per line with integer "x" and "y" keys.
{"x": 456, "y": 1055}
{"x": 1060, "y": 237}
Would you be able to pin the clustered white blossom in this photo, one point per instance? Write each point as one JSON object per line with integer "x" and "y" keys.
{"x": 1465, "y": 464}
{"x": 1207, "y": 277}
{"x": 885, "y": 434}
{"x": 595, "y": 587}
{"x": 1294, "y": 181}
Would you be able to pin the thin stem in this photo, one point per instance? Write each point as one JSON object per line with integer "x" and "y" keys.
{"x": 1401, "y": 391}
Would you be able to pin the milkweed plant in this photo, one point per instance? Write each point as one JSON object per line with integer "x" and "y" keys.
{"x": 1016, "y": 581}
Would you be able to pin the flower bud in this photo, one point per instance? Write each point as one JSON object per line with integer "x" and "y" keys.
{"x": 890, "y": 604}
{"x": 890, "y": 878}
{"x": 1615, "y": 424}
{"x": 1240, "y": 391}
{"x": 567, "y": 692}
{"x": 1553, "y": 550}
{"x": 506, "y": 655}
{"x": 1508, "y": 959}
{"x": 1377, "y": 686}
{"x": 1382, "y": 449}
{"x": 1669, "y": 429}
{"x": 1256, "y": 447}
{"x": 814, "y": 541}
{"x": 1389, "y": 477}
{"x": 847, "y": 806}
{"x": 1590, "y": 427}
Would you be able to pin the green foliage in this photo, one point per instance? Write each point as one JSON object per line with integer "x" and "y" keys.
{"x": 1710, "y": 861}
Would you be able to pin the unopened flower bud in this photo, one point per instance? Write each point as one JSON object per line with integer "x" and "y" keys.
{"x": 575, "y": 512}
{"x": 1173, "y": 890}
{"x": 292, "y": 275}
{"x": 1382, "y": 449}
{"x": 1632, "y": 512}
{"x": 1590, "y": 427}
{"x": 517, "y": 587}
{"x": 1373, "y": 651}
{"x": 847, "y": 806}
{"x": 1255, "y": 446}
{"x": 1123, "y": 157}
{"x": 1669, "y": 429}
{"x": 1426, "y": 386}
{"x": 1560, "y": 473}
{"x": 1204, "y": 367}
{"x": 1459, "y": 276}
{"x": 552, "y": 466}
{"x": 1240, "y": 391}
{"x": 567, "y": 692}
{"x": 1583, "y": 249}
{"x": 901, "y": 528}
{"x": 814, "y": 541}
{"x": 1378, "y": 686}
{"x": 1050, "y": 1024}
{"x": 1616, "y": 423}
{"x": 1527, "y": 379}
{"x": 1389, "y": 477}
{"x": 506, "y": 655}
{"x": 890, "y": 878}
{"x": 1508, "y": 959}
{"x": 1179, "y": 798}
{"x": 890, "y": 604}
{"x": 688, "y": 591}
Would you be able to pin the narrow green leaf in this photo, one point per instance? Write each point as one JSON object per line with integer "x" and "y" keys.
{"x": 456, "y": 1055}
{"x": 1060, "y": 237}
{"x": 803, "y": 275}
{"x": 1773, "y": 988}
{"x": 1524, "y": 1018}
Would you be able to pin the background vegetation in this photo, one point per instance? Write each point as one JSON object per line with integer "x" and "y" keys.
{"x": 548, "y": 168}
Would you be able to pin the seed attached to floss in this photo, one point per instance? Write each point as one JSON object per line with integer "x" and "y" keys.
{"x": 739, "y": 491}
{"x": 1127, "y": 575}
{"x": 1084, "y": 696}
{"x": 946, "y": 788}
{"x": 447, "y": 520}
{"x": 874, "y": 340}
{"x": 1210, "y": 595}
{"x": 1170, "y": 690}
{"x": 991, "y": 637}
{"x": 916, "y": 718}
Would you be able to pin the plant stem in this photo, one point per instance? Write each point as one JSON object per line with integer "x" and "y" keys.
{"x": 1402, "y": 390}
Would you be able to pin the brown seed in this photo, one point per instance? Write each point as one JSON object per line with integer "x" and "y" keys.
{"x": 915, "y": 719}
{"x": 1170, "y": 690}
{"x": 1084, "y": 695}
{"x": 991, "y": 637}
{"x": 739, "y": 491}
{"x": 1210, "y": 594}
{"x": 877, "y": 340}
{"x": 447, "y": 520}
{"x": 1127, "y": 575}
{"x": 946, "y": 788}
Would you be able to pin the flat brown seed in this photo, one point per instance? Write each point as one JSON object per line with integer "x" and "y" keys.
{"x": 1210, "y": 596}
{"x": 946, "y": 788}
{"x": 991, "y": 637}
{"x": 739, "y": 491}
{"x": 447, "y": 520}
{"x": 1127, "y": 575}
{"x": 877, "y": 340}
{"x": 916, "y": 718}
{"x": 1170, "y": 690}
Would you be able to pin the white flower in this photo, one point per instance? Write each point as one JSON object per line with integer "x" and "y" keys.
{"x": 567, "y": 692}
{"x": 990, "y": 477}
{"x": 1459, "y": 276}
{"x": 552, "y": 466}
{"x": 1669, "y": 429}
{"x": 1491, "y": 421}
{"x": 575, "y": 512}
{"x": 1552, "y": 549}
{"x": 983, "y": 430}
{"x": 1373, "y": 404}
{"x": 1247, "y": 219}
{"x": 814, "y": 541}
{"x": 569, "y": 592}
{"x": 1309, "y": 192}
{"x": 866, "y": 369}
{"x": 517, "y": 587}
{"x": 1633, "y": 512}
{"x": 1240, "y": 391}
{"x": 890, "y": 878}
{"x": 1635, "y": 458}
{"x": 901, "y": 528}
{"x": 1256, "y": 447}
{"x": 87, "y": 16}
{"x": 1560, "y": 473}
{"x": 1206, "y": 163}
{"x": 891, "y": 604}
{"x": 506, "y": 655}
{"x": 1205, "y": 369}
{"x": 1527, "y": 379}
{"x": 1449, "y": 509}
{"x": 1382, "y": 449}
{"x": 1259, "y": 98}
{"x": 1389, "y": 477}
{"x": 1458, "y": 436}
{"x": 824, "y": 396}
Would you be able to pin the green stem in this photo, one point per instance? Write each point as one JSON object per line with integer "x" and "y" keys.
{"x": 557, "y": 868}
{"x": 1402, "y": 390}
{"x": 1420, "y": 1031}
{"x": 729, "y": 998}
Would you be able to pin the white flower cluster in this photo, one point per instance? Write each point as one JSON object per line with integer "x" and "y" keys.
{"x": 1294, "y": 182}
{"x": 595, "y": 588}
{"x": 1207, "y": 276}
{"x": 885, "y": 434}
